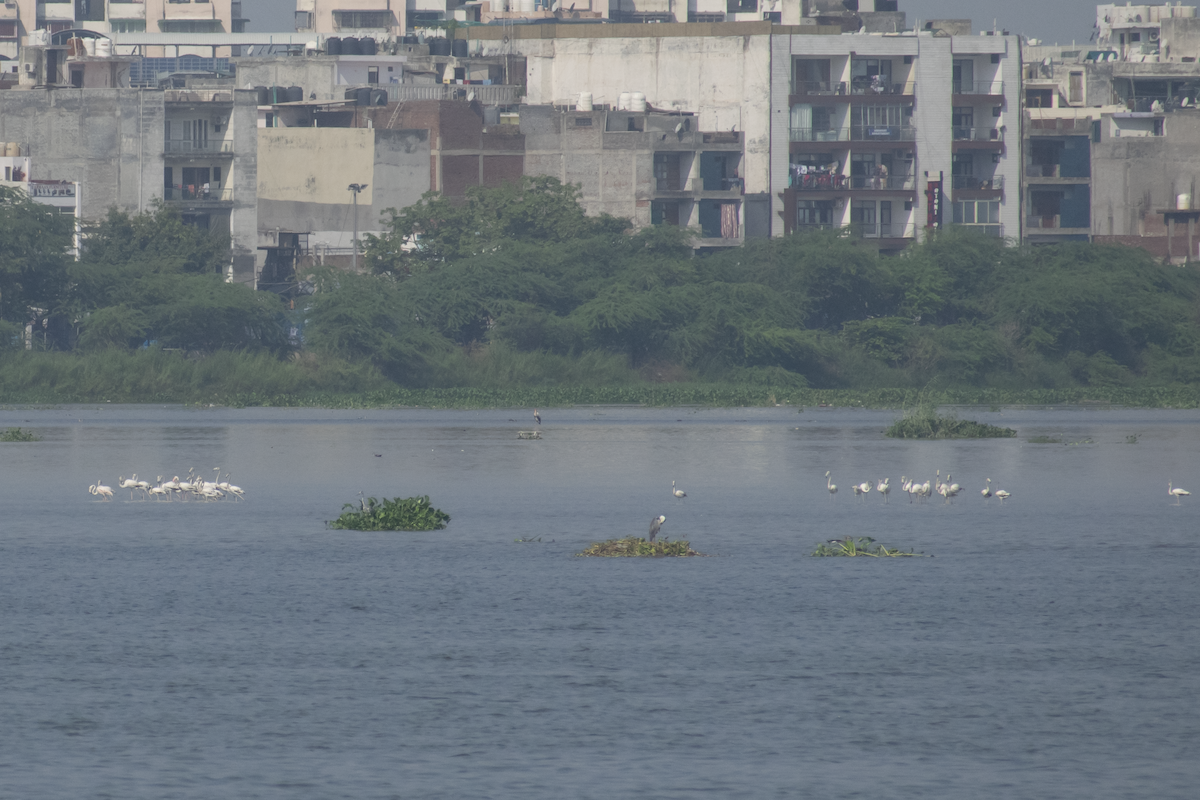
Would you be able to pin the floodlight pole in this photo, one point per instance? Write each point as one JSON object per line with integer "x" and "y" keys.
{"x": 355, "y": 188}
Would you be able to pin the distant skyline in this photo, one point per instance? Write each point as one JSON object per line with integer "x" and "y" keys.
{"x": 1049, "y": 20}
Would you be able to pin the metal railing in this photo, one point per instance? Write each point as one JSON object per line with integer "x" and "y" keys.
{"x": 987, "y": 229}
{"x": 818, "y": 87}
{"x": 819, "y": 135}
{"x": 864, "y": 230}
{"x": 197, "y": 96}
{"x": 994, "y": 183}
{"x": 1072, "y": 124}
{"x": 196, "y": 194}
{"x": 883, "y": 133}
{"x": 978, "y": 87}
{"x": 1044, "y": 221}
{"x": 1043, "y": 171}
{"x": 868, "y": 87}
{"x": 881, "y": 184}
{"x": 818, "y": 182}
{"x": 978, "y": 135}
{"x": 490, "y": 95}
{"x": 189, "y": 147}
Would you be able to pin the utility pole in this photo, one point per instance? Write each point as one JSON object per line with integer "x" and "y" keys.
{"x": 355, "y": 188}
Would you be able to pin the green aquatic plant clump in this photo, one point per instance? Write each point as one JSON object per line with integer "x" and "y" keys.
{"x": 924, "y": 422}
{"x": 397, "y": 514}
{"x": 851, "y": 547}
{"x": 18, "y": 435}
{"x": 634, "y": 547}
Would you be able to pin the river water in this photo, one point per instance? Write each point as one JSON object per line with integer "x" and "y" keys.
{"x": 188, "y": 649}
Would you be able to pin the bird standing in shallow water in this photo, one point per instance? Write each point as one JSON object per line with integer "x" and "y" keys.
{"x": 829, "y": 484}
{"x": 680, "y": 493}
{"x": 987, "y": 490}
{"x": 1176, "y": 493}
{"x": 655, "y": 524}
{"x": 537, "y": 417}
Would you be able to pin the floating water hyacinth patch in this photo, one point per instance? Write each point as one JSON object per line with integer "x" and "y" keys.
{"x": 861, "y": 546}
{"x": 638, "y": 548}
{"x": 397, "y": 514}
{"x": 18, "y": 435}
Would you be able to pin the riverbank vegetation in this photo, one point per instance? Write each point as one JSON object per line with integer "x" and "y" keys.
{"x": 515, "y": 297}
{"x": 18, "y": 435}
{"x": 926, "y": 422}
{"x": 633, "y": 547}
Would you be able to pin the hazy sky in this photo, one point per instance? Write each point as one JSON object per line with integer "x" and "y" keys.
{"x": 1049, "y": 20}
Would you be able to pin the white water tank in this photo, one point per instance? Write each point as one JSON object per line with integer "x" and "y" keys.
{"x": 525, "y": 6}
{"x": 1183, "y": 202}
{"x": 585, "y": 102}
{"x": 104, "y": 48}
{"x": 623, "y": 101}
{"x": 89, "y": 46}
{"x": 637, "y": 102}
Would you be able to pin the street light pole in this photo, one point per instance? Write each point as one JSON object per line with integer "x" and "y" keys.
{"x": 355, "y": 188}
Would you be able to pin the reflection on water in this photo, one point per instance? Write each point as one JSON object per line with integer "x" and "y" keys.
{"x": 240, "y": 649}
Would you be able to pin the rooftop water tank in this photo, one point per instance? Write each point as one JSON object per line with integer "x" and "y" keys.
{"x": 585, "y": 102}
{"x": 104, "y": 48}
{"x": 333, "y": 46}
{"x": 623, "y": 101}
{"x": 459, "y": 48}
{"x": 295, "y": 94}
{"x": 368, "y": 46}
{"x": 637, "y": 102}
{"x": 263, "y": 96}
{"x": 379, "y": 97}
{"x": 439, "y": 46}
{"x": 1183, "y": 202}
{"x": 350, "y": 47}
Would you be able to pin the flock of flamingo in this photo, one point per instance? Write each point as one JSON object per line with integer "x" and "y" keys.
{"x": 193, "y": 487}
{"x": 916, "y": 490}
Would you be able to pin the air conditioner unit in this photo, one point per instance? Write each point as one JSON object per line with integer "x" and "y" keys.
{"x": 1154, "y": 36}
{"x": 29, "y": 68}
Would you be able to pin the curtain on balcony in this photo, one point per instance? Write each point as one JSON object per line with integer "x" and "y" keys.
{"x": 729, "y": 220}
{"x": 802, "y": 117}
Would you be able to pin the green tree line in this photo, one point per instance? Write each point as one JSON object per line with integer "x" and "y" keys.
{"x": 517, "y": 287}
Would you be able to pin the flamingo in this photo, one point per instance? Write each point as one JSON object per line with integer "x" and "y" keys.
{"x": 680, "y": 493}
{"x": 1003, "y": 495}
{"x": 863, "y": 489}
{"x": 157, "y": 491}
{"x": 883, "y": 488}
{"x": 1176, "y": 493}
{"x": 829, "y": 484}
{"x": 987, "y": 490}
{"x": 129, "y": 484}
{"x": 954, "y": 487}
{"x": 100, "y": 490}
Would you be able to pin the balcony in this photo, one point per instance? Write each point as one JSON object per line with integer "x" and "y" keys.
{"x": 977, "y": 183}
{"x": 978, "y": 135}
{"x": 892, "y": 183}
{"x": 991, "y": 229}
{"x": 187, "y": 147}
{"x": 818, "y": 135}
{"x": 197, "y": 196}
{"x": 864, "y": 230}
{"x": 1044, "y": 222}
{"x": 1055, "y": 125}
{"x": 988, "y": 88}
{"x": 883, "y": 133}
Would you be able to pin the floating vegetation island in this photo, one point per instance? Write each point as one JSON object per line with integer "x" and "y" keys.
{"x": 924, "y": 422}
{"x": 862, "y": 546}
{"x": 407, "y": 514}
{"x": 634, "y": 547}
{"x": 18, "y": 435}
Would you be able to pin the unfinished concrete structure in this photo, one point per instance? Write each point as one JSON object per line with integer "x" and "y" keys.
{"x": 129, "y": 148}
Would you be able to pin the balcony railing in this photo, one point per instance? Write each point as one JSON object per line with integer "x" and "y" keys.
{"x": 883, "y": 133}
{"x": 816, "y": 135}
{"x": 978, "y": 87}
{"x": 494, "y": 94}
{"x": 870, "y": 88}
{"x": 189, "y": 147}
{"x": 818, "y": 87}
{"x": 710, "y": 185}
{"x": 197, "y": 194}
{"x": 989, "y": 229}
{"x": 1070, "y": 124}
{"x": 895, "y": 183}
{"x": 1044, "y": 221}
{"x": 864, "y": 230}
{"x": 978, "y": 135}
{"x": 994, "y": 183}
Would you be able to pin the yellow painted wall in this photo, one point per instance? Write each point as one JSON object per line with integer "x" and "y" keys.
{"x": 315, "y": 165}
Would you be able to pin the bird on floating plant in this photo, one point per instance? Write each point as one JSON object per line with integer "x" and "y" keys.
{"x": 655, "y": 524}
{"x": 537, "y": 417}
{"x": 680, "y": 493}
{"x": 1176, "y": 492}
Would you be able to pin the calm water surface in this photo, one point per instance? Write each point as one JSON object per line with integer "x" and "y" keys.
{"x": 148, "y": 650}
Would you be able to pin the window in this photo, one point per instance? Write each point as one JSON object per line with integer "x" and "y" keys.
{"x": 876, "y": 115}
{"x": 8, "y": 29}
{"x": 811, "y": 76}
{"x": 963, "y": 77}
{"x": 89, "y": 10}
{"x": 984, "y": 215}
{"x": 583, "y": 122}
{"x": 190, "y": 26}
{"x": 128, "y": 25}
{"x": 372, "y": 74}
{"x": 303, "y": 20}
{"x": 870, "y": 76}
{"x": 693, "y": 17}
{"x": 1135, "y": 37}
{"x": 814, "y": 212}
{"x": 995, "y": 58}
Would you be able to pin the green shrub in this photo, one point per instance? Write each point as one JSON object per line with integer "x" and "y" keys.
{"x": 408, "y": 514}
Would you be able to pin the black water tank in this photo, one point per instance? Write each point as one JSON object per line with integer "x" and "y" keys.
{"x": 295, "y": 94}
{"x": 410, "y": 39}
{"x": 263, "y": 96}
{"x": 379, "y": 97}
{"x": 350, "y": 47}
{"x": 333, "y": 46}
{"x": 352, "y": 94}
{"x": 364, "y": 97}
{"x": 277, "y": 94}
{"x": 367, "y": 46}
{"x": 459, "y": 48}
{"x": 439, "y": 46}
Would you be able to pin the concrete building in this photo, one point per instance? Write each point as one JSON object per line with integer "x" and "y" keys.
{"x": 132, "y": 147}
{"x": 21, "y": 18}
